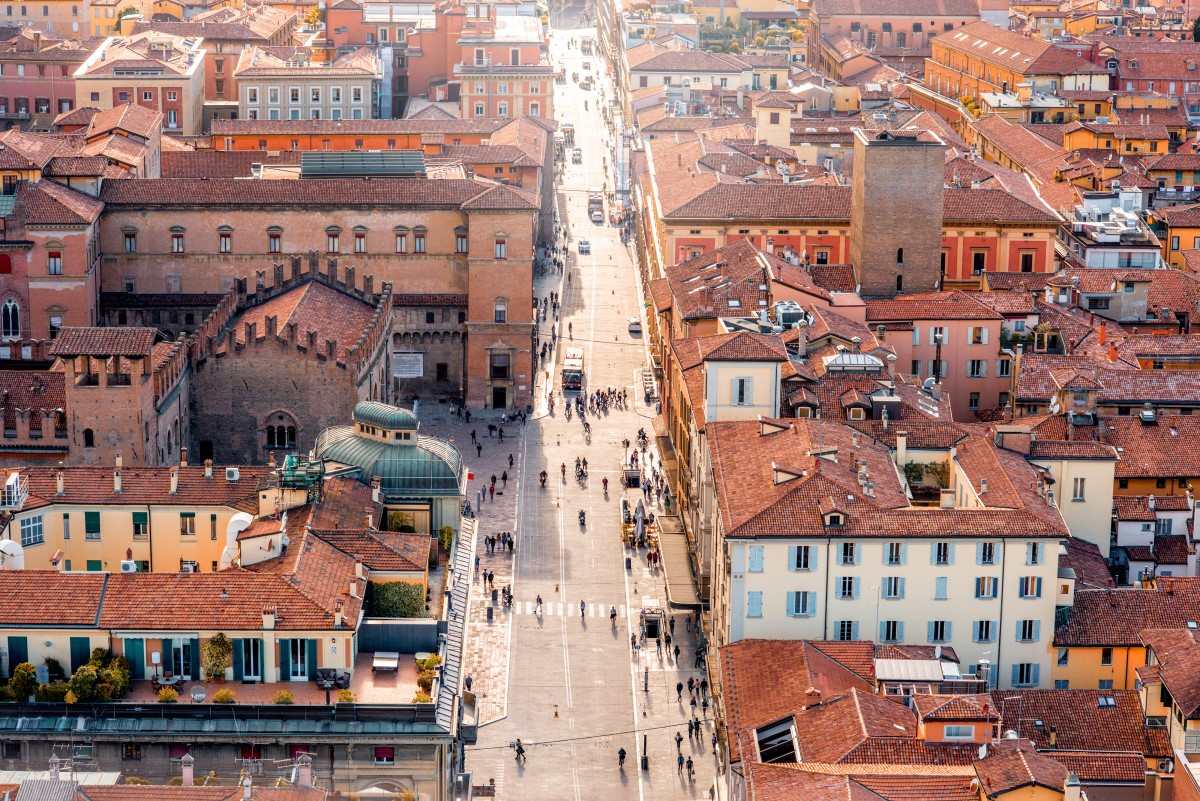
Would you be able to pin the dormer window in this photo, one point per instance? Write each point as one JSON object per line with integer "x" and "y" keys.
{"x": 835, "y": 520}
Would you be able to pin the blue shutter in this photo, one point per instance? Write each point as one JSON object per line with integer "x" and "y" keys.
{"x": 840, "y": 560}
{"x": 1038, "y": 591}
{"x": 238, "y": 671}
{"x": 900, "y": 588}
{"x": 135, "y": 655}
{"x": 813, "y": 553}
{"x": 754, "y": 604}
{"x": 940, "y": 588}
{"x": 168, "y": 664}
{"x": 756, "y": 558}
{"x": 812, "y": 604}
{"x": 1029, "y": 553}
{"x": 933, "y": 553}
{"x": 900, "y": 631}
{"x": 792, "y": 552}
{"x": 1034, "y": 674}
{"x": 1016, "y": 675}
{"x": 854, "y": 630}
{"x": 979, "y": 553}
{"x": 977, "y": 635}
{"x": 312, "y": 660}
{"x": 949, "y": 631}
{"x": 1037, "y": 631}
{"x": 792, "y": 606}
{"x": 18, "y": 652}
{"x": 81, "y": 652}
{"x": 904, "y": 553}
{"x": 854, "y": 587}
{"x": 950, "y": 553}
{"x": 929, "y": 631}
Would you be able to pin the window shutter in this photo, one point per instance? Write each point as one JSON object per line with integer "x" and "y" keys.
{"x": 970, "y": 334}
{"x": 949, "y": 631}
{"x": 754, "y": 604}
{"x": 312, "y": 659}
{"x": 1034, "y": 674}
{"x": 1016, "y": 675}
{"x": 840, "y": 556}
{"x": 285, "y": 660}
{"x": 950, "y": 553}
{"x": 756, "y": 558}
{"x": 979, "y": 553}
{"x": 933, "y": 553}
{"x": 854, "y": 587}
{"x": 812, "y": 604}
{"x": 237, "y": 660}
{"x": 1037, "y": 631}
{"x": 1029, "y": 553}
{"x": 979, "y": 587}
{"x": 985, "y": 334}
{"x": 903, "y": 553}
{"x": 733, "y": 391}
{"x": 929, "y": 631}
{"x": 195, "y": 666}
{"x": 900, "y": 631}
{"x": 940, "y": 591}
{"x": 1037, "y": 587}
{"x": 749, "y": 390}
{"x": 792, "y": 551}
{"x": 793, "y": 606}
{"x": 900, "y": 587}
{"x": 854, "y": 630}
{"x": 978, "y": 635}
{"x": 813, "y": 553}
{"x": 916, "y": 335}
{"x": 883, "y": 631}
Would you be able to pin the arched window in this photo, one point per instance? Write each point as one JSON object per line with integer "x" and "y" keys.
{"x": 280, "y": 431}
{"x": 11, "y": 312}
{"x": 333, "y": 242}
{"x": 899, "y": 283}
{"x": 89, "y": 438}
{"x": 899, "y": 255}
{"x": 401, "y": 239}
{"x": 501, "y": 311}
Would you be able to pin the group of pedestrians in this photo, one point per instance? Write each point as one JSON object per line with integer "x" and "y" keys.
{"x": 502, "y": 541}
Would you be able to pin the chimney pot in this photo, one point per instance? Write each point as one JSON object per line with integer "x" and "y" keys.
{"x": 116, "y": 481}
{"x": 119, "y": 461}
{"x": 174, "y": 480}
{"x": 208, "y": 468}
{"x": 58, "y": 482}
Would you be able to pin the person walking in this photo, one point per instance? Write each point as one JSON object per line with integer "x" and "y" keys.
{"x": 510, "y": 456}
{"x": 679, "y": 691}
{"x": 537, "y": 607}
{"x": 691, "y": 729}
{"x": 621, "y": 758}
{"x": 691, "y": 769}
{"x": 478, "y": 450}
{"x": 520, "y": 749}
{"x": 671, "y": 626}
{"x": 678, "y": 742}
{"x": 714, "y": 742}
{"x": 691, "y": 685}
{"x": 491, "y": 493}
{"x": 504, "y": 477}
{"x": 582, "y": 610}
{"x": 679, "y": 762}
{"x": 704, "y": 687}
{"x": 676, "y": 654}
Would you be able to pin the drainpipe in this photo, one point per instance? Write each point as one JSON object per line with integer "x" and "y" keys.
{"x": 828, "y": 595}
{"x": 1003, "y": 592}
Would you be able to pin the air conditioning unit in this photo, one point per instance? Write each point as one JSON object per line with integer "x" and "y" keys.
{"x": 128, "y": 566}
{"x": 232, "y": 474}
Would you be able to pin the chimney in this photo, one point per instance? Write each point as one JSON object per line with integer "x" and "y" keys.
{"x": 331, "y": 348}
{"x": 183, "y": 456}
{"x": 350, "y": 277}
{"x": 270, "y": 458}
{"x": 188, "y": 763}
{"x": 250, "y": 329}
{"x": 1103, "y": 332}
{"x": 1053, "y": 741}
{"x": 1112, "y": 353}
{"x": 333, "y": 271}
{"x": 304, "y": 771}
{"x": 58, "y": 483}
{"x": 358, "y": 570}
{"x": 208, "y": 468}
{"x": 174, "y": 480}
{"x": 117, "y": 482}
{"x": 272, "y": 322}
{"x": 353, "y": 588}
{"x": 1072, "y": 791}
{"x": 369, "y": 284}
{"x": 901, "y": 449}
{"x": 119, "y": 461}
{"x": 268, "y": 619}
{"x": 339, "y": 616}
{"x": 1151, "y": 502}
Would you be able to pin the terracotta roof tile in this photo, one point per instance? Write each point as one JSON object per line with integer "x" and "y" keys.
{"x": 1116, "y": 617}
{"x": 75, "y": 597}
{"x": 49, "y": 203}
{"x": 144, "y": 485}
{"x": 1137, "y": 507}
{"x": 382, "y": 550}
{"x": 229, "y": 192}
{"x": 1079, "y": 722}
{"x": 1102, "y": 767}
{"x": 1011, "y": 766}
{"x": 219, "y": 163}
{"x": 1176, "y": 654}
{"x": 481, "y": 125}
{"x": 952, "y": 305}
{"x": 312, "y": 306}
{"x": 1091, "y": 569}
{"x": 128, "y": 341}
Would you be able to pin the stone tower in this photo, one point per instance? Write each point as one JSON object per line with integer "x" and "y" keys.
{"x": 896, "y": 211}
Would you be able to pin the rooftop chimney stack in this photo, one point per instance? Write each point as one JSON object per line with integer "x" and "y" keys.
{"x": 174, "y": 480}
{"x": 58, "y": 483}
{"x": 208, "y": 468}
{"x": 117, "y": 482}
{"x": 183, "y": 456}
{"x": 188, "y": 765}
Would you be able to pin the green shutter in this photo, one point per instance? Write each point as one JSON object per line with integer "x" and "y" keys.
{"x": 285, "y": 659}
{"x": 18, "y": 652}
{"x": 95, "y": 565}
{"x": 141, "y": 517}
{"x": 237, "y": 659}
{"x": 312, "y": 659}
{"x": 195, "y": 661}
{"x": 135, "y": 655}
{"x": 167, "y": 662}
{"x": 81, "y": 652}
{"x": 91, "y": 522}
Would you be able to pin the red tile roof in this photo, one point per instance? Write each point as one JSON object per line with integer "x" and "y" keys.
{"x": 1176, "y": 654}
{"x": 126, "y": 341}
{"x": 50, "y": 598}
{"x": 1102, "y": 767}
{"x": 312, "y": 306}
{"x": 952, "y": 305}
{"x": 49, "y": 203}
{"x": 145, "y": 485}
{"x": 1091, "y": 569}
{"x": 1137, "y": 507}
{"x": 1013, "y": 765}
{"x": 480, "y": 125}
{"x": 1022, "y": 54}
{"x": 1078, "y": 720}
{"x": 882, "y": 782}
{"x": 219, "y": 163}
{"x": 1117, "y": 617}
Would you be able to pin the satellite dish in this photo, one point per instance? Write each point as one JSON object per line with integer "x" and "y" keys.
{"x": 1055, "y": 408}
{"x": 12, "y": 555}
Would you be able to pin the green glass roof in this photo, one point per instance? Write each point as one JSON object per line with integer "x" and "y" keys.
{"x": 426, "y": 467}
{"x": 384, "y": 415}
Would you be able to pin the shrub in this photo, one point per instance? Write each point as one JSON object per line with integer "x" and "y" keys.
{"x": 217, "y": 656}
{"x": 6, "y": 694}
{"x": 55, "y": 669}
{"x": 284, "y": 697}
{"x": 168, "y": 695}
{"x": 425, "y": 681}
{"x": 345, "y": 696}
{"x": 24, "y": 681}
{"x": 83, "y": 683}
{"x": 55, "y": 692}
{"x": 99, "y": 657}
{"x": 70, "y": 698}
{"x": 422, "y": 697}
{"x": 224, "y": 696}
{"x": 396, "y": 599}
{"x": 428, "y": 663}
{"x": 446, "y": 537}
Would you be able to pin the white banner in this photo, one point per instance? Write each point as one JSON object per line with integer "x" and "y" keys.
{"x": 408, "y": 365}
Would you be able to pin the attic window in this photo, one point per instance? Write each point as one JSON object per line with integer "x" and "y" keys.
{"x": 734, "y": 303}
{"x": 777, "y": 742}
{"x": 834, "y": 520}
{"x": 1106, "y": 701}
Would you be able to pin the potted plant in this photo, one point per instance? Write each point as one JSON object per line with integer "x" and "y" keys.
{"x": 217, "y": 656}
{"x": 284, "y": 697}
{"x": 168, "y": 695}
{"x": 224, "y": 696}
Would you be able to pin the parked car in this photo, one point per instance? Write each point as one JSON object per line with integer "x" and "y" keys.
{"x": 585, "y": 247}
{"x": 635, "y": 326}
{"x": 576, "y": 156}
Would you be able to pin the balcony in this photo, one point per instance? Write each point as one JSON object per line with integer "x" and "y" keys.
{"x": 16, "y": 490}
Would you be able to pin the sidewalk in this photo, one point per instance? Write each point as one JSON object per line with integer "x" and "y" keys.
{"x": 487, "y": 656}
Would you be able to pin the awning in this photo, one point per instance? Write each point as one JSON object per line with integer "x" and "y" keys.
{"x": 677, "y": 564}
